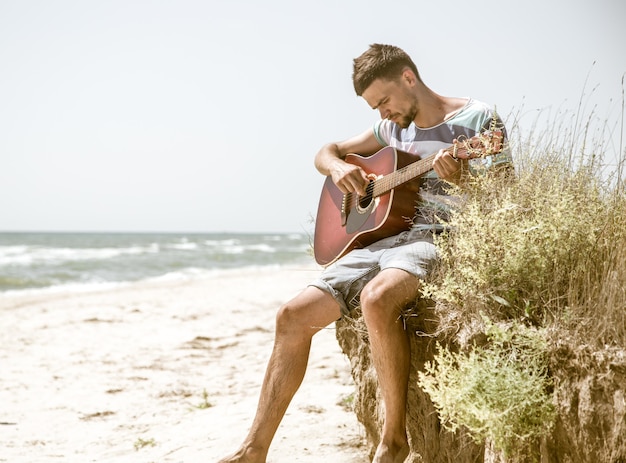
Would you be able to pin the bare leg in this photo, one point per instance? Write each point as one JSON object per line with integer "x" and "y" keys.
{"x": 382, "y": 301}
{"x": 296, "y": 323}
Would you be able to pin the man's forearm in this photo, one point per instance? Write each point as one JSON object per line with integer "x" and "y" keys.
{"x": 326, "y": 157}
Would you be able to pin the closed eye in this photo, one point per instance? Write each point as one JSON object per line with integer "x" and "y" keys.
{"x": 381, "y": 102}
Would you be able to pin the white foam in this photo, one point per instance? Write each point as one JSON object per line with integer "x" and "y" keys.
{"x": 29, "y": 255}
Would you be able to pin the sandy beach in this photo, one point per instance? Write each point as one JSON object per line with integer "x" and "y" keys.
{"x": 163, "y": 372}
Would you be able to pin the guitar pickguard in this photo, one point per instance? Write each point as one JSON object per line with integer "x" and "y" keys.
{"x": 359, "y": 215}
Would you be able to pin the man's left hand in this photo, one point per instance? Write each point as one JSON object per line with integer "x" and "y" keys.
{"x": 447, "y": 168}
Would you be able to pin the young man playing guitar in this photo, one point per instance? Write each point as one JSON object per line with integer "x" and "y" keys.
{"x": 383, "y": 277}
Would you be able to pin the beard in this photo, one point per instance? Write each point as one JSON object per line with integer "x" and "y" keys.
{"x": 404, "y": 120}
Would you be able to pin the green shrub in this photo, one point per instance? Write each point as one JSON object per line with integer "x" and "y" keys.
{"x": 499, "y": 392}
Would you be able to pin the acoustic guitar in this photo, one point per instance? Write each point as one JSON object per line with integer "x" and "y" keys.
{"x": 348, "y": 221}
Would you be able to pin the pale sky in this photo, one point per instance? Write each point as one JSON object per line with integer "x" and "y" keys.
{"x": 190, "y": 115}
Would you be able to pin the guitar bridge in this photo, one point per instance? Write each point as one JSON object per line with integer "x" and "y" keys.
{"x": 344, "y": 210}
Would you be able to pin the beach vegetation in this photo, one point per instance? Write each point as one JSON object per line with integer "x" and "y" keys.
{"x": 499, "y": 391}
{"x": 532, "y": 262}
{"x": 205, "y": 401}
{"x": 141, "y": 443}
{"x": 347, "y": 402}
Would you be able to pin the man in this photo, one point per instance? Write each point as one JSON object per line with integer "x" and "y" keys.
{"x": 385, "y": 277}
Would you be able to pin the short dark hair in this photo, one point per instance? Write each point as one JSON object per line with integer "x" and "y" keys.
{"x": 380, "y": 62}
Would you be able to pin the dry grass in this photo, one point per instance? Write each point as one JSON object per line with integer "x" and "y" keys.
{"x": 543, "y": 250}
{"x": 547, "y": 248}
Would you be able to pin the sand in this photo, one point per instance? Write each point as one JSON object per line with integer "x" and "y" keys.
{"x": 165, "y": 371}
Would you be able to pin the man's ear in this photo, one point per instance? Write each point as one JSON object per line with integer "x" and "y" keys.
{"x": 409, "y": 76}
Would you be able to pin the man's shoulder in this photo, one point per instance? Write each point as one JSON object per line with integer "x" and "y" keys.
{"x": 475, "y": 116}
{"x": 478, "y": 107}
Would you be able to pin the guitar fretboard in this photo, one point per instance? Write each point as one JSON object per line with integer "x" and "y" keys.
{"x": 491, "y": 144}
{"x": 399, "y": 177}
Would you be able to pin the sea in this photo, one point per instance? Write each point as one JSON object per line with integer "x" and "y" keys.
{"x": 80, "y": 261}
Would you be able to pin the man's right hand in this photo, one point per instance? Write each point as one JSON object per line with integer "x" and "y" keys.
{"x": 349, "y": 178}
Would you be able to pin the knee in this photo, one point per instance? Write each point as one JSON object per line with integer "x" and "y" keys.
{"x": 289, "y": 321}
{"x": 285, "y": 317}
{"x": 380, "y": 305}
{"x": 371, "y": 297}
{"x": 374, "y": 307}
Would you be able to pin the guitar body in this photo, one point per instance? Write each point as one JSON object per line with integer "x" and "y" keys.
{"x": 341, "y": 227}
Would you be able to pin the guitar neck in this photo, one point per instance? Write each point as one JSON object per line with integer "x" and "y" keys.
{"x": 399, "y": 177}
{"x": 487, "y": 143}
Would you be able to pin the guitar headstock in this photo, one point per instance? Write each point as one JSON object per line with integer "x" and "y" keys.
{"x": 479, "y": 146}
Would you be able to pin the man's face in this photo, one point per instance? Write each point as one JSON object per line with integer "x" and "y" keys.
{"x": 394, "y": 99}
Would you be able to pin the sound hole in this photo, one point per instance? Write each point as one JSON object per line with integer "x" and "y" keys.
{"x": 365, "y": 201}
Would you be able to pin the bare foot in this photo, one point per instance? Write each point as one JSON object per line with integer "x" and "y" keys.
{"x": 391, "y": 454}
{"x": 245, "y": 455}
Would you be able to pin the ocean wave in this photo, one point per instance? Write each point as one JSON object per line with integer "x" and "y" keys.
{"x": 29, "y": 255}
{"x": 51, "y": 260}
{"x": 182, "y": 275}
{"x": 241, "y": 249}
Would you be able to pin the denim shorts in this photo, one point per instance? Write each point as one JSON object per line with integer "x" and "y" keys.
{"x": 412, "y": 251}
